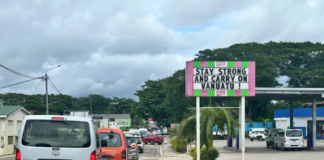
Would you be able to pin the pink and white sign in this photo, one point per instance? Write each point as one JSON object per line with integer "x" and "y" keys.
{"x": 220, "y": 78}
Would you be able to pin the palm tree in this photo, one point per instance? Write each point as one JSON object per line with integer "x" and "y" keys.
{"x": 209, "y": 117}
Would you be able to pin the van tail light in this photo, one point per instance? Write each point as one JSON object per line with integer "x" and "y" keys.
{"x": 93, "y": 155}
{"x": 124, "y": 154}
{"x": 285, "y": 139}
{"x": 18, "y": 154}
{"x": 303, "y": 139}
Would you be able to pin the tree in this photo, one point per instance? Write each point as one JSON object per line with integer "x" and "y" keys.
{"x": 209, "y": 117}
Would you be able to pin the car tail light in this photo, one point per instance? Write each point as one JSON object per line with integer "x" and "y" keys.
{"x": 134, "y": 146}
{"x": 124, "y": 154}
{"x": 58, "y": 118}
{"x": 93, "y": 155}
{"x": 18, "y": 154}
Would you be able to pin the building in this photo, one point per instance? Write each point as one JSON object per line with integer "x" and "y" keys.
{"x": 302, "y": 120}
{"x": 32, "y": 112}
{"x": 10, "y": 121}
{"x": 121, "y": 120}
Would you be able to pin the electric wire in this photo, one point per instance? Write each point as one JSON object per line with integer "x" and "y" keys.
{"x": 18, "y": 73}
{"x": 52, "y": 84}
{"x": 19, "y": 82}
{"x": 38, "y": 85}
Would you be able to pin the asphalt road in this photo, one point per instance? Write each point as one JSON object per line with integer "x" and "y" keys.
{"x": 150, "y": 153}
{"x": 12, "y": 157}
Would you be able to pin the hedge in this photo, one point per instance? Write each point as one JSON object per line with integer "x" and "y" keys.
{"x": 180, "y": 145}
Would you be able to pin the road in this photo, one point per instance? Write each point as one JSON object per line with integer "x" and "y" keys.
{"x": 150, "y": 153}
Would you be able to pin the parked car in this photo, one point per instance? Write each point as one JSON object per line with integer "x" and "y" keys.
{"x": 259, "y": 135}
{"x": 153, "y": 138}
{"x": 271, "y": 135}
{"x": 289, "y": 138}
{"x": 112, "y": 144}
{"x": 140, "y": 143}
{"x": 133, "y": 148}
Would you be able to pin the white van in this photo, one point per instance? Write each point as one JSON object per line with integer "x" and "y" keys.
{"x": 289, "y": 138}
{"x": 56, "y": 137}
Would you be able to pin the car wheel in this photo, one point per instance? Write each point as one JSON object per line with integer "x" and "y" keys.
{"x": 272, "y": 145}
{"x": 282, "y": 147}
{"x": 159, "y": 143}
{"x": 152, "y": 142}
{"x": 145, "y": 143}
{"x": 299, "y": 149}
{"x": 251, "y": 139}
{"x": 267, "y": 144}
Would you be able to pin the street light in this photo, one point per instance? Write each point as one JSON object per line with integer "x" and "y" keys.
{"x": 46, "y": 78}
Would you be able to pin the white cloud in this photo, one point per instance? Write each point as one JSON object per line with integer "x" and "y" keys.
{"x": 112, "y": 47}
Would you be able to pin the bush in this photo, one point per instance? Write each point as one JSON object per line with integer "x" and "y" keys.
{"x": 180, "y": 145}
{"x": 173, "y": 131}
{"x": 203, "y": 153}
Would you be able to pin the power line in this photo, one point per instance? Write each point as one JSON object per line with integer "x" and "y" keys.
{"x": 38, "y": 85}
{"x": 20, "y": 82}
{"x": 18, "y": 73}
{"x": 52, "y": 84}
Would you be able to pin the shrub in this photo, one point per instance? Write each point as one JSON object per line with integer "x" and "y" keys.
{"x": 180, "y": 145}
{"x": 203, "y": 153}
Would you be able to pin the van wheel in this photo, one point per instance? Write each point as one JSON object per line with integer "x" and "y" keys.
{"x": 299, "y": 149}
{"x": 251, "y": 139}
{"x": 152, "y": 142}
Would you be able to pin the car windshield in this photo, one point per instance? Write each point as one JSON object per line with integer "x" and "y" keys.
{"x": 294, "y": 133}
{"x": 56, "y": 133}
{"x": 112, "y": 141}
{"x": 158, "y": 135}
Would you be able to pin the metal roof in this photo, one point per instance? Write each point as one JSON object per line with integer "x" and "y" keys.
{"x": 268, "y": 93}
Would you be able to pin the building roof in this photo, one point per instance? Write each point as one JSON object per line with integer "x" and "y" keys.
{"x": 32, "y": 111}
{"x": 298, "y": 112}
{"x": 105, "y": 116}
{"x": 7, "y": 110}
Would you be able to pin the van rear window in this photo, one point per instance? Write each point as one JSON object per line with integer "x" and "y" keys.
{"x": 294, "y": 133}
{"x": 53, "y": 133}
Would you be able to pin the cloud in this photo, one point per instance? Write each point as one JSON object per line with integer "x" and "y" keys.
{"x": 112, "y": 47}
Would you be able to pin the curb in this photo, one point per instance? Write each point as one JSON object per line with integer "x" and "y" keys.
{"x": 232, "y": 149}
{"x": 10, "y": 155}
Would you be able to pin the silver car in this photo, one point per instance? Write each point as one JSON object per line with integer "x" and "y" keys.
{"x": 133, "y": 152}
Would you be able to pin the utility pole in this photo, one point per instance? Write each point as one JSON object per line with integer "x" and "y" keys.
{"x": 46, "y": 94}
{"x": 46, "y": 79}
{"x": 90, "y": 105}
{"x": 108, "y": 117}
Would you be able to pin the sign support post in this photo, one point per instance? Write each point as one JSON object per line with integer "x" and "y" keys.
{"x": 242, "y": 117}
{"x": 198, "y": 127}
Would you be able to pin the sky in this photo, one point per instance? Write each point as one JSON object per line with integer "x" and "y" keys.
{"x": 112, "y": 47}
